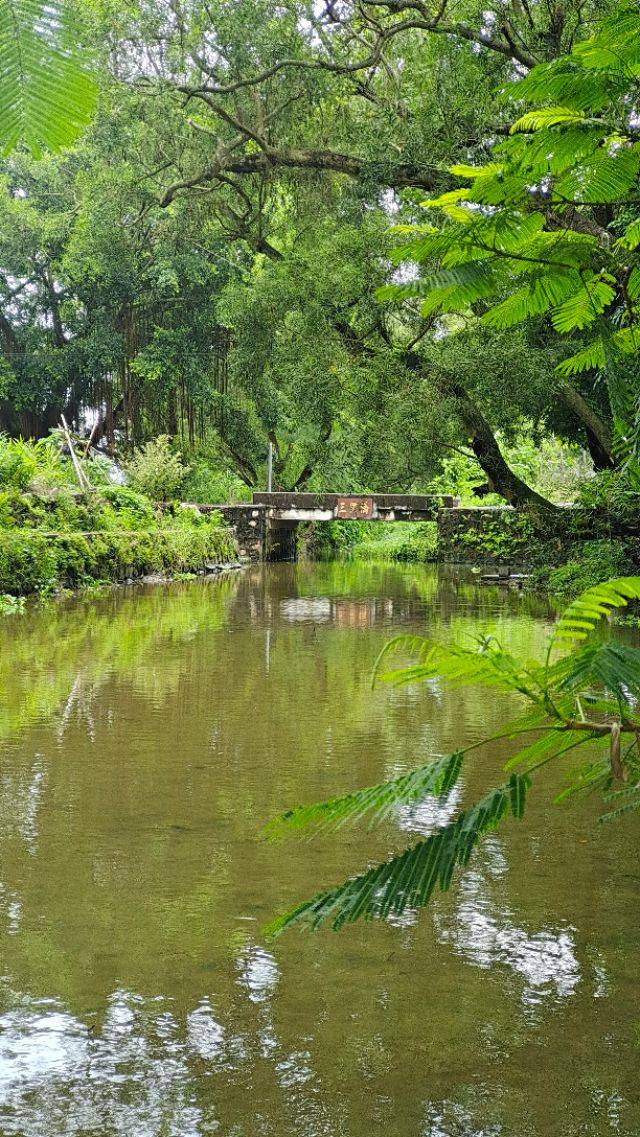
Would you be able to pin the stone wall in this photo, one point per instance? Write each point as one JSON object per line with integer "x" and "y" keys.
{"x": 485, "y": 534}
{"x": 248, "y": 525}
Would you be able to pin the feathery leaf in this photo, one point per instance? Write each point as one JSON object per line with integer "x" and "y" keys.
{"x": 47, "y": 94}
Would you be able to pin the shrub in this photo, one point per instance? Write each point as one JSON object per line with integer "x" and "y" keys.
{"x": 207, "y": 482}
{"x": 401, "y": 541}
{"x": 28, "y": 562}
{"x": 331, "y": 540}
{"x": 156, "y": 470}
{"x": 123, "y": 508}
{"x": 611, "y": 498}
{"x": 21, "y": 461}
{"x": 590, "y": 563}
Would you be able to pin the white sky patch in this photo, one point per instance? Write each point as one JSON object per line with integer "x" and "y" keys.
{"x": 406, "y": 273}
{"x": 389, "y": 202}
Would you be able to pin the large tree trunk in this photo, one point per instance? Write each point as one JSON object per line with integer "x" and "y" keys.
{"x": 501, "y": 477}
{"x": 596, "y": 430}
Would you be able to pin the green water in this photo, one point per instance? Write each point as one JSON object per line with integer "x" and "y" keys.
{"x": 146, "y": 736}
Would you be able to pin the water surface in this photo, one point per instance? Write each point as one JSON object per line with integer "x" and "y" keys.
{"x": 146, "y": 737}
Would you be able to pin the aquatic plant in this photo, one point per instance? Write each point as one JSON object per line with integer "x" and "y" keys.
{"x": 584, "y": 693}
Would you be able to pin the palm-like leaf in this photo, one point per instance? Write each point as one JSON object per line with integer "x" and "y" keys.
{"x": 435, "y": 778}
{"x": 408, "y": 880}
{"x": 615, "y": 667}
{"x": 47, "y": 94}
{"x": 585, "y": 613}
{"x": 558, "y": 694}
{"x": 486, "y": 665}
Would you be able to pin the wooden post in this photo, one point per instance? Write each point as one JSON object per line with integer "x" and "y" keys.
{"x": 79, "y": 472}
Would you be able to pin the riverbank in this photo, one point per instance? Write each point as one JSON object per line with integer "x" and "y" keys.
{"x": 561, "y": 563}
{"x": 35, "y": 561}
{"x": 53, "y": 537}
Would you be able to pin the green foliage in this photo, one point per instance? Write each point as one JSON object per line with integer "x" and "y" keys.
{"x": 122, "y": 507}
{"x": 402, "y": 541}
{"x": 587, "y": 610}
{"x": 31, "y": 561}
{"x": 208, "y": 481}
{"x": 586, "y": 696}
{"x": 588, "y": 563}
{"x": 11, "y": 605}
{"x": 611, "y": 498}
{"x": 494, "y": 535}
{"x": 333, "y": 540}
{"x": 157, "y": 470}
{"x": 409, "y": 880}
{"x": 521, "y": 241}
{"x": 23, "y": 461}
{"x": 47, "y": 94}
{"x": 557, "y": 470}
{"x": 52, "y": 535}
{"x": 235, "y": 310}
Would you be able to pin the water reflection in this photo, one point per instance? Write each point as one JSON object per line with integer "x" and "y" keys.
{"x": 258, "y": 974}
{"x": 147, "y": 736}
{"x": 483, "y": 932}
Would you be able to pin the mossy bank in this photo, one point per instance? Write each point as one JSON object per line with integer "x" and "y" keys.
{"x": 40, "y": 562}
{"x": 54, "y": 536}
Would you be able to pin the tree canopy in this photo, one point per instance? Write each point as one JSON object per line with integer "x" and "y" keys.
{"x": 214, "y": 257}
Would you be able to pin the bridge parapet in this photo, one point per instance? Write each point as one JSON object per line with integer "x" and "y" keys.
{"x": 294, "y": 507}
{"x": 265, "y": 529}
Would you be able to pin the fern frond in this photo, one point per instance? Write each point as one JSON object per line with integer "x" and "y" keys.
{"x": 47, "y": 94}
{"x": 633, "y": 284}
{"x": 554, "y": 152}
{"x": 585, "y": 613}
{"x": 616, "y": 45}
{"x": 629, "y": 807}
{"x": 631, "y": 237}
{"x": 546, "y": 117}
{"x": 408, "y": 880}
{"x": 459, "y": 287}
{"x": 569, "y": 83}
{"x": 488, "y": 665}
{"x": 590, "y": 358}
{"x": 584, "y": 307}
{"x": 552, "y": 744}
{"x": 615, "y": 666}
{"x": 602, "y": 353}
{"x": 606, "y": 177}
{"x": 436, "y": 779}
{"x": 545, "y": 291}
{"x": 627, "y": 800}
{"x": 465, "y": 171}
{"x": 593, "y": 776}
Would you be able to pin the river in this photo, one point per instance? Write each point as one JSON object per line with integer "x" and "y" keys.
{"x": 147, "y": 735}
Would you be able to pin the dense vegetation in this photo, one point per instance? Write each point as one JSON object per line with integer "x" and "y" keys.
{"x": 206, "y": 261}
{"x": 397, "y": 246}
{"x": 237, "y": 251}
{"x": 56, "y": 535}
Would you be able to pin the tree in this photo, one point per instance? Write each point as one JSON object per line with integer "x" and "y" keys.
{"x": 375, "y": 100}
{"x": 586, "y": 697}
{"x": 230, "y": 202}
{"x": 550, "y": 228}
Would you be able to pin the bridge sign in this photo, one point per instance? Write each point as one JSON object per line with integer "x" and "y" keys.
{"x": 354, "y": 508}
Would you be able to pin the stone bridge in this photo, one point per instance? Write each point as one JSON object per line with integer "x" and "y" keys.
{"x": 265, "y": 529}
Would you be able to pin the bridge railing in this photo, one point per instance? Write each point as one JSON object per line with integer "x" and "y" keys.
{"x": 292, "y": 506}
